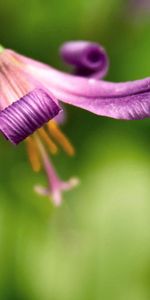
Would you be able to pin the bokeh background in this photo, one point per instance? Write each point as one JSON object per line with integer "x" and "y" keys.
{"x": 97, "y": 244}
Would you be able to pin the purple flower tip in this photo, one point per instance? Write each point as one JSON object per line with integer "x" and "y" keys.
{"x": 89, "y": 59}
{"x": 23, "y": 117}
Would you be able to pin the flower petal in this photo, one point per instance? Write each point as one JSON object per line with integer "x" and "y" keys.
{"x": 131, "y": 107}
{"x": 127, "y": 100}
{"x": 29, "y": 113}
{"x": 89, "y": 59}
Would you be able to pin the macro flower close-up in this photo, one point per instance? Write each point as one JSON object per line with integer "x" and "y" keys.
{"x": 31, "y": 93}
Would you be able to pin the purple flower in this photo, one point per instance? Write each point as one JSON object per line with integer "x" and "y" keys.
{"x": 25, "y": 106}
{"x": 29, "y": 97}
{"x": 127, "y": 100}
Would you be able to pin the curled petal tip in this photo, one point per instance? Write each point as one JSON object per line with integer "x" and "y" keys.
{"x": 89, "y": 59}
{"x": 23, "y": 117}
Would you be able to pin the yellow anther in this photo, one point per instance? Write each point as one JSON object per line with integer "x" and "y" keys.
{"x": 33, "y": 154}
{"x": 51, "y": 145}
{"x": 58, "y": 135}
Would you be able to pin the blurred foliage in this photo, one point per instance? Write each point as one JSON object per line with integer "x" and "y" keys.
{"x": 97, "y": 244}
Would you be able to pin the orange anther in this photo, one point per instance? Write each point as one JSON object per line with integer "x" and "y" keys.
{"x": 60, "y": 138}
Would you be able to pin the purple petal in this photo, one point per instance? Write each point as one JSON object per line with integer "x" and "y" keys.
{"x": 88, "y": 59}
{"x": 127, "y": 100}
{"x": 29, "y": 113}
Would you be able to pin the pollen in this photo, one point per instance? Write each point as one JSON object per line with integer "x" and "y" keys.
{"x": 48, "y": 141}
{"x": 60, "y": 138}
{"x": 33, "y": 154}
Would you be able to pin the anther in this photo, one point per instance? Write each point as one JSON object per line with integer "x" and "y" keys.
{"x": 33, "y": 154}
{"x": 58, "y": 135}
{"x": 51, "y": 145}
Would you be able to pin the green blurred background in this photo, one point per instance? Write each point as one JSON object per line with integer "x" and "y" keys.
{"x": 97, "y": 244}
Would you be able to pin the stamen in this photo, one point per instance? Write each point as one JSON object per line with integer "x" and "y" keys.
{"x": 60, "y": 138}
{"x": 51, "y": 145}
{"x": 33, "y": 154}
